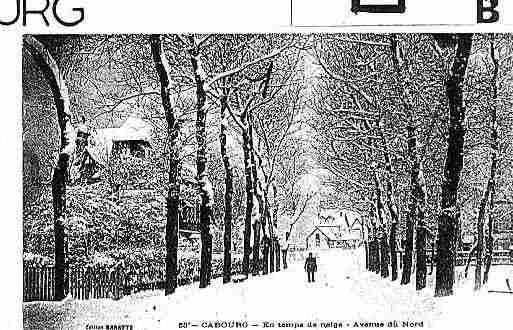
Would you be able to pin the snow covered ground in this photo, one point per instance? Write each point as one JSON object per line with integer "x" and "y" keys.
{"x": 344, "y": 295}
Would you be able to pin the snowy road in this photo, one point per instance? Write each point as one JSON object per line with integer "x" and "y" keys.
{"x": 343, "y": 294}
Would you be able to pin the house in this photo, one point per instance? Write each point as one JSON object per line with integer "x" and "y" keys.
{"x": 323, "y": 237}
{"x": 96, "y": 149}
{"x": 132, "y": 138}
{"x": 336, "y": 228}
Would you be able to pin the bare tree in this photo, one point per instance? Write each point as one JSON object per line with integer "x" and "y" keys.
{"x": 173, "y": 131}
{"x": 208, "y": 74}
{"x": 494, "y": 162}
{"x": 205, "y": 187}
{"x": 228, "y": 196}
{"x": 417, "y": 184}
{"x": 449, "y": 217}
{"x": 55, "y": 80}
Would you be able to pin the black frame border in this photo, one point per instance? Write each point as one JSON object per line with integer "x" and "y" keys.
{"x": 400, "y": 8}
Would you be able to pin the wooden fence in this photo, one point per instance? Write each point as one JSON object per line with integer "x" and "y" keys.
{"x": 89, "y": 283}
{"x": 499, "y": 257}
{"x": 38, "y": 283}
{"x": 93, "y": 284}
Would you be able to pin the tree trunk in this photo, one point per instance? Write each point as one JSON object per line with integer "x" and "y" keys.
{"x": 59, "y": 89}
{"x": 272, "y": 240}
{"x": 284, "y": 252}
{"x": 480, "y": 230}
{"x": 382, "y": 235}
{"x": 410, "y": 220}
{"x": 422, "y": 230}
{"x": 367, "y": 245}
{"x": 228, "y": 193}
{"x": 371, "y": 236}
{"x": 393, "y": 250}
{"x": 449, "y": 217}
{"x": 266, "y": 241}
{"x": 392, "y": 208}
{"x": 265, "y": 256}
{"x": 277, "y": 250}
{"x": 256, "y": 248}
{"x": 367, "y": 254}
{"x": 420, "y": 247}
{"x": 384, "y": 250}
{"x": 417, "y": 214}
{"x": 401, "y": 69}
{"x": 489, "y": 238}
{"x": 469, "y": 259}
{"x": 479, "y": 244}
{"x": 370, "y": 266}
{"x": 272, "y": 254}
{"x": 249, "y": 204}
{"x": 371, "y": 254}
{"x": 493, "y": 166}
{"x": 377, "y": 255}
{"x": 173, "y": 197}
{"x": 275, "y": 225}
{"x": 205, "y": 187}
{"x": 258, "y": 224}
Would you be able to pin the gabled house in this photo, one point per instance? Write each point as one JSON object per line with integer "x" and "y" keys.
{"x": 336, "y": 228}
{"x": 96, "y": 149}
{"x": 132, "y": 138}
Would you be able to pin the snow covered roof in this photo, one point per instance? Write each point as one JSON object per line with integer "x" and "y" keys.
{"x": 133, "y": 129}
{"x": 336, "y": 233}
{"x": 339, "y": 217}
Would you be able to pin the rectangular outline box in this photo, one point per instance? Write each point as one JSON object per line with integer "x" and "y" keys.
{"x": 400, "y": 8}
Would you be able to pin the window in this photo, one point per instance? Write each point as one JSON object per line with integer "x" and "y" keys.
{"x": 317, "y": 239}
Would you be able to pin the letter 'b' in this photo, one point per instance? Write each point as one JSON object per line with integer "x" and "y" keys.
{"x": 481, "y": 9}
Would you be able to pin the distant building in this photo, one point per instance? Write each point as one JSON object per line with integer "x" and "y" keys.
{"x": 96, "y": 149}
{"x": 336, "y": 228}
{"x": 132, "y": 138}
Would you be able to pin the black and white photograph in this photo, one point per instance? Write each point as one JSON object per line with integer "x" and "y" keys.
{"x": 267, "y": 180}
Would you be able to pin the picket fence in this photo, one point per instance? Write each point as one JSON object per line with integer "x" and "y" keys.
{"x": 89, "y": 283}
{"x": 38, "y": 283}
{"x": 499, "y": 257}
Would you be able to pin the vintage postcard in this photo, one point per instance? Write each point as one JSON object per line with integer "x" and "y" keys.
{"x": 283, "y": 164}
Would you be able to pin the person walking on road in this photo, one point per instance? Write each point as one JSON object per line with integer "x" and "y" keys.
{"x": 311, "y": 267}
